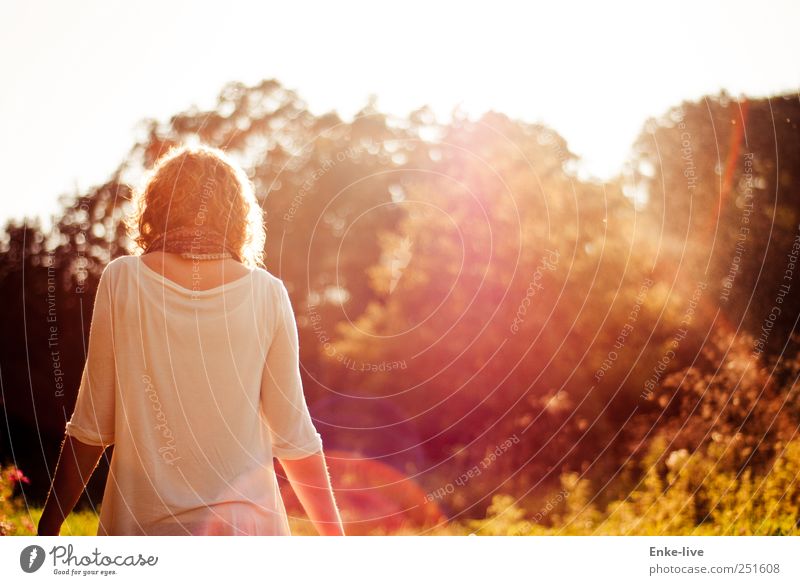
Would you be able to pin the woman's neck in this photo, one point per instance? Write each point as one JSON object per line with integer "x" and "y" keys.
{"x": 197, "y": 274}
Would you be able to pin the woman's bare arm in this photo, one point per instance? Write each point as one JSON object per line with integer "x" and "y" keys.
{"x": 310, "y": 481}
{"x": 75, "y": 465}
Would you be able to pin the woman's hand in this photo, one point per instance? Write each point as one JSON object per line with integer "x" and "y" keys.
{"x": 310, "y": 481}
{"x": 75, "y": 465}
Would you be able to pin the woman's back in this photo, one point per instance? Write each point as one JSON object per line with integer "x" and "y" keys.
{"x": 207, "y": 390}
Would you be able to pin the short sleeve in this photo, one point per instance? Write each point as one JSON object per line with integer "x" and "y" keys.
{"x": 92, "y": 420}
{"x": 282, "y": 401}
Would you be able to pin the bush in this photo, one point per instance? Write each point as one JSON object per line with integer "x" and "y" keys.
{"x": 11, "y": 521}
{"x": 680, "y": 493}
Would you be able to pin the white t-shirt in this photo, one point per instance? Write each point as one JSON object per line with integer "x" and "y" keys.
{"x": 197, "y": 390}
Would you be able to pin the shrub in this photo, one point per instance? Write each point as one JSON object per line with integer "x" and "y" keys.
{"x": 11, "y": 519}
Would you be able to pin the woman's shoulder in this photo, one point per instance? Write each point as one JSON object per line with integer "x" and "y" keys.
{"x": 269, "y": 279}
{"x": 122, "y": 261}
{"x": 130, "y": 264}
{"x": 118, "y": 265}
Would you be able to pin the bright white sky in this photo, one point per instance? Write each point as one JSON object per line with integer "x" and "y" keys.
{"x": 78, "y": 76}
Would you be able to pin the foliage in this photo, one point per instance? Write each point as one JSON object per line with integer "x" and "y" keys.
{"x": 680, "y": 493}
{"x": 10, "y": 476}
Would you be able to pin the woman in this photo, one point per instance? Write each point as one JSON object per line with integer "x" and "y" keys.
{"x": 192, "y": 372}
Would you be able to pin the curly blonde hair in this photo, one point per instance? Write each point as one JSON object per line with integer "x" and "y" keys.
{"x": 199, "y": 186}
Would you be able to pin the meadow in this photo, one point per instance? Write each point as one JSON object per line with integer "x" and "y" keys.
{"x": 693, "y": 499}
